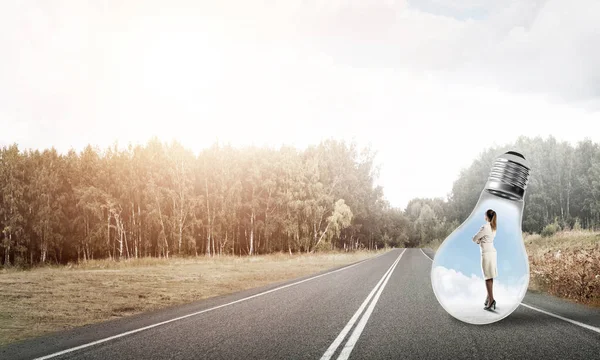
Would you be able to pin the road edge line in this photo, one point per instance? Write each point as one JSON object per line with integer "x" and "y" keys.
{"x": 589, "y": 327}
{"x": 131, "y": 332}
{"x": 425, "y": 254}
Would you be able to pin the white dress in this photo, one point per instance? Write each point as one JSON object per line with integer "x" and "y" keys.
{"x": 485, "y": 239}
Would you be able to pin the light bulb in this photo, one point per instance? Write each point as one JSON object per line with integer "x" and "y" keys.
{"x": 457, "y": 275}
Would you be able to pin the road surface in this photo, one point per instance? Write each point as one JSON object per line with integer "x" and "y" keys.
{"x": 381, "y": 308}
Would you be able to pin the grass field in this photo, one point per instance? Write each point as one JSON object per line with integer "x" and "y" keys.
{"x": 566, "y": 264}
{"x": 42, "y": 300}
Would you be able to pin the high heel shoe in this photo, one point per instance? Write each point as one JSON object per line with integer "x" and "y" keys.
{"x": 492, "y": 305}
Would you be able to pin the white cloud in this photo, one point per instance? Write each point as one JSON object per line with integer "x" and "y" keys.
{"x": 463, "y": 296}
{"x": 425, "y": 89}
{"x": 519, "y": 46}
{"x": 543, "y": 47}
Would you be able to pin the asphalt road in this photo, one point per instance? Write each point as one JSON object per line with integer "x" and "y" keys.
{"x": 381, "y": 308}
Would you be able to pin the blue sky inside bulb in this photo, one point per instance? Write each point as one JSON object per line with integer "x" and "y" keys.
{"x": 456, "y": 274}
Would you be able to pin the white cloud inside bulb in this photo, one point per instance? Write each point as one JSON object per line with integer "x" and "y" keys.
{"x": 463, "y": 296}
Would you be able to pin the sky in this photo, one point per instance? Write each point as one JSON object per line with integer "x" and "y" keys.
{"x": 426, "y": 84}
{"x": 460, "y": 253}
{"x": 457, "y": 275}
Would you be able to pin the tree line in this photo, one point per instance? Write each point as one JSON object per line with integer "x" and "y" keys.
{"x": 160, "y": 199}
{"x": 563, "y": 190}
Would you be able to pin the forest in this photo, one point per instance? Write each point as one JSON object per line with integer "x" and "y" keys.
{"x": 162, "y": 200}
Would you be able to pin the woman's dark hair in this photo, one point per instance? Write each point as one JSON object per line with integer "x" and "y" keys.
{"x": 491, "y": 214}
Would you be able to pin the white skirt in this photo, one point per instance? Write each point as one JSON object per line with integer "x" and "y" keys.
{"x": 488, "y": 264}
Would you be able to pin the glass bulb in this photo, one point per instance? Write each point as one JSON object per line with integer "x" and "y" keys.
{"x": 457, "y": 274}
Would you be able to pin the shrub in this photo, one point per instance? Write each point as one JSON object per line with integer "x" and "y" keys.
{"x": 577, "y": 225}
{"x": 550, "y": 229}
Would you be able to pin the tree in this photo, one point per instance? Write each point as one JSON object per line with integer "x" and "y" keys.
{"x": 12, "y": 206}
{"x": 340, "y": 219}
{"x": 45, "y": 193}
{"x": 162, "y": 200}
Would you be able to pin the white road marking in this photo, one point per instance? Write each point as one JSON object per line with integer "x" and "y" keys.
{"x": 586, "y": 326}
{"x": 345, "y": 354}
{"x": 425, "y": 254}
{"x": 66, "y": 351}
{"x": 338, "y": 340}
{"x": 589, "y": 327}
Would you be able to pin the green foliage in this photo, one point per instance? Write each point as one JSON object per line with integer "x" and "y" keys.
{"x": 161, "y": 200}
{"x": 563, "y": 183}
{"x": 577, "y": 225}
{"x": 550, "y": 229}
{"x": 563, "y": 190}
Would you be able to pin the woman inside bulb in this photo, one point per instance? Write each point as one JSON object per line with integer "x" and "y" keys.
{"x": 485, "y": 239}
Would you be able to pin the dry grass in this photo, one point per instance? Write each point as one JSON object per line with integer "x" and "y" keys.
{"x": 566, "y": 265}
{"x": 47, "y": 299}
